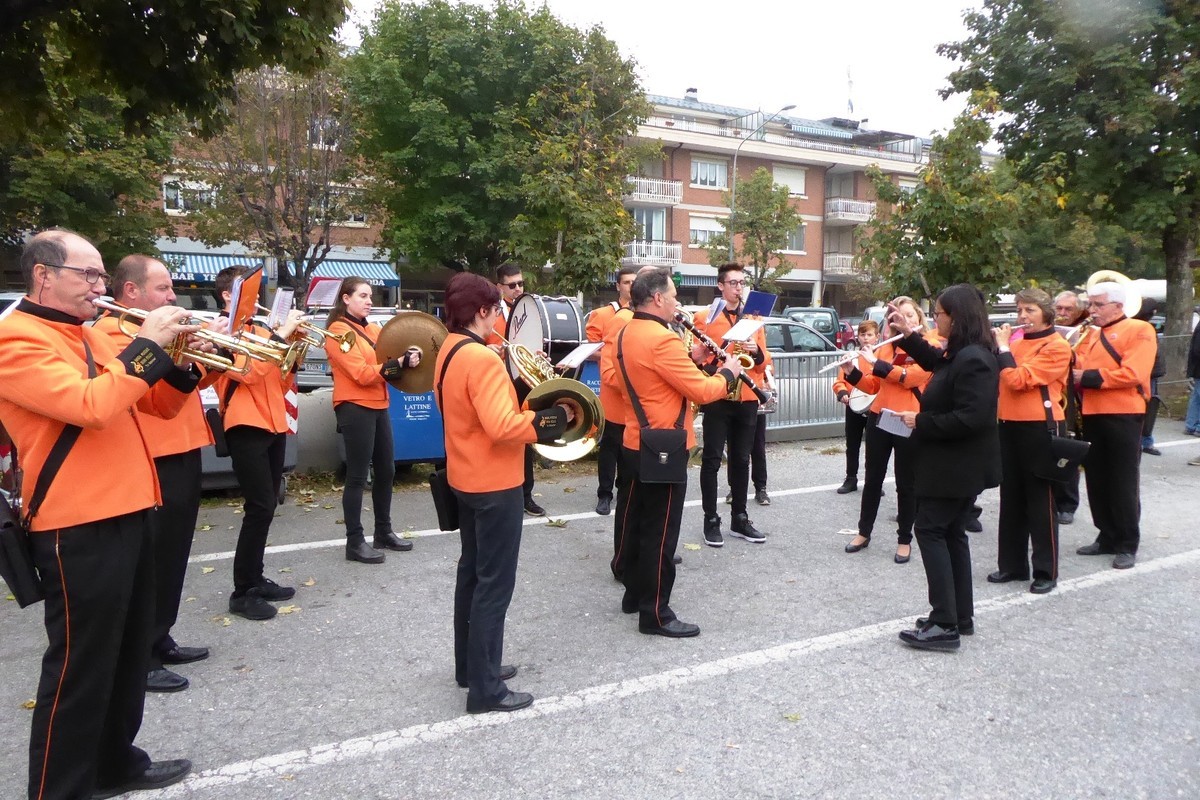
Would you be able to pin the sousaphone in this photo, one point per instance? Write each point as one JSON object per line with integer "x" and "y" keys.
{"x": 406, "y": 331}
{"x": 1133, "y": 295}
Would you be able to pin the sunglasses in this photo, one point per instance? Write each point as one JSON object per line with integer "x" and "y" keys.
{"x": 516, "y": 285}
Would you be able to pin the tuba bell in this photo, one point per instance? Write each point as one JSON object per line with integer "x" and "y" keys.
{"x": 1133, "y": 295}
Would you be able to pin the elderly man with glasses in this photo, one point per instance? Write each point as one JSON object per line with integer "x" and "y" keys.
{"x": 1112, "y": 376}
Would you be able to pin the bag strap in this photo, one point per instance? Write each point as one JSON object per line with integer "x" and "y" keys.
{"x": 1112, "y": 351}
{"x": 1046, "y": 405}
{"x": 58, "y": 453}
{"x": 442, "y": 376}
{"x": 633, "y": 398}
{"x": 359, "y": 330}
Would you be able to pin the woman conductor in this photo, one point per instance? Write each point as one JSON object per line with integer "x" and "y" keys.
{"x": 360, "y": 402}
{"x": 957, "y": 455}
{"x": 1033, "y": 377}
{"x": 485, "y": 466}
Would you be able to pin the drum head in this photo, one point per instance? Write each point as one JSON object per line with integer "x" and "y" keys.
{"x": 860, "y": 401}
{"x": 553, "y": 325}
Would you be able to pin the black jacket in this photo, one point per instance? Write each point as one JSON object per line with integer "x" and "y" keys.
{"x": 957, "y": 444}
{"x": 1193, "y": 362}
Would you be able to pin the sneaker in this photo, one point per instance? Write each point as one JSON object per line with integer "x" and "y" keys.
{"x": 743, "y": 528}
{"x": 712, "y": 532}
{"x": 533, "y": 509}
{"x": 270, "y": 590}
{"x": 251, "y": 605}
{"x": 761, "y": 497}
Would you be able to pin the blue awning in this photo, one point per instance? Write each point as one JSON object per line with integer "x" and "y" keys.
{"x": 203, "y": 268}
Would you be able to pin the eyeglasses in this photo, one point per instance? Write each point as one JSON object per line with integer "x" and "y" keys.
{"x": 734, "y": 283}
{"x": 1094, "y": 304}
{"x": 516, "y": 285}
{"x": 89, "y": 274}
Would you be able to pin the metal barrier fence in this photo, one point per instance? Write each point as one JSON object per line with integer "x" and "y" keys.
{"x": 807, "y": 407}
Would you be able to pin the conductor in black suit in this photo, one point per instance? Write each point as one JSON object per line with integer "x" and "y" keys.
{"x": 957, "y": 456}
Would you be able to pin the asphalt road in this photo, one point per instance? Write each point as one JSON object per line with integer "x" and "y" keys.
{"x": 796, "y": 687}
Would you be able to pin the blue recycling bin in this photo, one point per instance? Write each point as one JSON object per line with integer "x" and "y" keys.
{"x": 416, "y": 427}
{"x": 589, "y": 375}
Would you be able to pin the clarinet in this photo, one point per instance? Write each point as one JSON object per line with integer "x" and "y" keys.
{"x": 721, "y": 355}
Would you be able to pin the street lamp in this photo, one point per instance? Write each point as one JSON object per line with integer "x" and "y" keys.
{"x": 733, "y": 185}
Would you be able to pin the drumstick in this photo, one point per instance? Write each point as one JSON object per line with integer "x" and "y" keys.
{"x": 846, "y": 359}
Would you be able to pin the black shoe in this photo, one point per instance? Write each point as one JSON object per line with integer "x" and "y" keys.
{"x": 974, "y": 525}
{"x": 513, "y": 701}
{"x": 761, "y": 497}
{"x": 677, "y": 559}
{"x": 1152, "y": 451}
{"x": 251, "y": 605}
{"x": 1124, "y": 561}
{"x": 1000, "y": 576}
{"x": 157, "y": 776}
{"x": 507, "y": 673}
{"x": 533, "y": 510}
{"x": 604, "y": 506}
{"x": 183, "y": 655}
{"x": 629, "y": 605}
{"x": 849, "y": 485}
{"x": 712, "y": 532}
{"x": 966, "y": 627}
{"x": 854, "y": 548}
{"x": 1066, "y": 517}
{"x": 1042, "y": 585}
{"x": 390, "y": 541}
{"x": 675, "y": 629}
{"x": 270, "y": 590}
{"x": 931, "y": 637}
{"x": 360, "y": 551}
{"x": 899, "y": 559}
{"x": 729, "y": 499}
{"x": 741, "y": 527}
{"x": 1094, "y": 549}
{"x": 163, "y": 680}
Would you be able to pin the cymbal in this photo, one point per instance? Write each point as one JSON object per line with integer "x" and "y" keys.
{"x": 412, "y": 329}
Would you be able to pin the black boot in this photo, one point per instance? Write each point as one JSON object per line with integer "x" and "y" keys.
{"x": 390, "y": 541}
{"x": 742, "y": 527}
{"x": 849, "y": 485}
{"x": 358, "y": 550}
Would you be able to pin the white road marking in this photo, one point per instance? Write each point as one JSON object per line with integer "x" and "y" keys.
{"x": 289, "y": 763}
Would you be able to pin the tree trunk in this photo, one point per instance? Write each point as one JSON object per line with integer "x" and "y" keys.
{"x": 1179, "y": 246}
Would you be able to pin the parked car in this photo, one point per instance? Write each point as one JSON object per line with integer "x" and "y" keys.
{"x": 823, "y": 320}
{"x": 847, "y": 337}
{"x": 788, "y": 336}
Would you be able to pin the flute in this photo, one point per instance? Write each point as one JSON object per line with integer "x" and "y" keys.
{"x": 846, "y": 359}
{"x": 721, "y": 355}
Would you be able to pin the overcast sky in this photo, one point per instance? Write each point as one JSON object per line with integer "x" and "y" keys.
{"x": 771, "y": 53}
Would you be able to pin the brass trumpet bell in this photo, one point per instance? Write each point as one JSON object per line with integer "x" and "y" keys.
{"x": 407, "y": 330}
{"x": 584, "y": 432}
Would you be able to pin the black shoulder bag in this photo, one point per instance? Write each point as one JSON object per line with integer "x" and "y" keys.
{"x": 16, "y": 555}
{"x": 1064, "y": 454}
{"x": 663, "y": 454}
{"x": 444, "y": 499}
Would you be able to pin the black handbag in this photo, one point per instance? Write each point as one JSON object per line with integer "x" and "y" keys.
{"x": 216, "y": 423}
{"x": 16, "y": 552}
{"x": 663, "y": 454}
{"x": 445, "y": 501}
{"x": 1063, "y": 454}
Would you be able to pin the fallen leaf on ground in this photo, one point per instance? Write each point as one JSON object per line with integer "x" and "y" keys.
{"x": 29, "y": 704}
{"x": 309, "y": 582}
{"x": 206, "y": 570}
{"x": 568, "y": 489}
{"x": 205, "y": 528}
{"x": 793, "y": 717}
{"x": 285, "y": 569}
{"x": 408, "y": 534}
{"x": 557, "y": 523}
{"x": 190, "y": 600}
{"x": 10, "y": 597}
{"x": 288, "y": 609}
{"x": 690, "y": 546}
{"x": 222, "y": 620}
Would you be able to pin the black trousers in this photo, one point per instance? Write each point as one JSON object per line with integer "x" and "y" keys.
{"x": 727, "y": 423}
{"x": 856, "y": 425}
{"x": 257, "y": 457}
{"x": 174, "y": 526}
{"x": 1026, "y": 504}
{"x": 621, "y": 526}
{"x": 609, "y": 456}
{"x": 655, "y": 513}
{"x": 1113, "y": 472}
{"x": 758, "y": 456}
{"x": 1066, "y": 494}
{"x": 99, "y": 610}
{"x": 367, "y": 434}
{"x": 880, "y": 446}
{"x": 490, "y": 531}
{"x": 942, "y": 537}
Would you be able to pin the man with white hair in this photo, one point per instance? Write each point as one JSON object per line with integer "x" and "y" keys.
{"x": 1070, "y": 310}
{"x": 1112, "y": 376}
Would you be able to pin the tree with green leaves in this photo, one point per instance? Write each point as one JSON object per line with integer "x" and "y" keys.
{"x": 958, "y": 224}
{"x": 765, "y": 219}
{"x": 499, "y": 134}
{"x": 152, "y": 59}
{"x": 282, "y": 171}
{"x": 1111, "y": 88}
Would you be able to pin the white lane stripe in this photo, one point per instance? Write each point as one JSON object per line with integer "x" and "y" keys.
{"x": 289, "y": 763}
{"x": 1179, "y": 442}
{"x": 529, "y": 522}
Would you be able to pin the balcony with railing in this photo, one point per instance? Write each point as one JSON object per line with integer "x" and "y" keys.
{"x": 844, "y": 211}
{"x": 654, "y": 191}
{"x": 839, "y": 264}
{"x": 657, "y": 252}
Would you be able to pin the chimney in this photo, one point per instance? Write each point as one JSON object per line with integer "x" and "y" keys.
{"x": 690, "y": 96}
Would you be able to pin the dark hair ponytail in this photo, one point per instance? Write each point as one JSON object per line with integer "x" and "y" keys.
{"x": 968, "y": 315}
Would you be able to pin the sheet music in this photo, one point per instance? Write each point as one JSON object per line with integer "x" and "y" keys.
{"x": 715, "y": 309}
{"x": 576, "y": 357}
{"x": 743, "y": 330}
{"x": 280, "y": 307}
{"x": 322, "y": 292}
{"x": 892, "y": 422}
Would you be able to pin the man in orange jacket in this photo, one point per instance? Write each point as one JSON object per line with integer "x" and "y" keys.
{"x": 91, "y": 538}
{"x": 144, "y": 283}
{"x": 1112, "y": 375}
{"x": 609, "y": 451}
{"x": 252, "y": 406}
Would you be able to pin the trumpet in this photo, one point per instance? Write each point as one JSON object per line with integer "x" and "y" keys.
{"x": 285, "y": 355}
{"x": 846, "y": 359}
{"x": 316, "y": 336}
{"x": 178, "y": 350}
{"x": 722, "y": 355}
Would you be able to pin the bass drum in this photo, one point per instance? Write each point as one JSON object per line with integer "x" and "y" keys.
{"x": 553, "y": 325}
{"x": 860, "y": 401}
